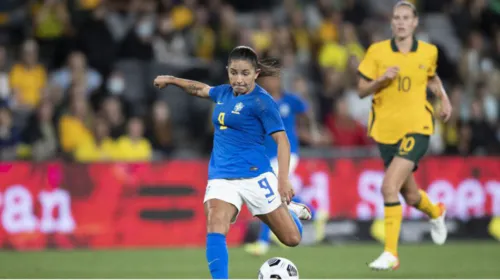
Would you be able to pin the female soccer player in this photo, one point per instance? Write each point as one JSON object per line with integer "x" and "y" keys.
{"x": 292, "y": 109}
{"x": 239, "y": 170}
{"x": 398, "y": 72}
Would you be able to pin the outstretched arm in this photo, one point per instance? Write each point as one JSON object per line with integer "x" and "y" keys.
{"x": 194, "y": 88}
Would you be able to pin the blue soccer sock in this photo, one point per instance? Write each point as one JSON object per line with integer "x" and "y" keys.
{"x": 297, "y": 222}
{"x": 217, "y": 256}
{"x": 264, "y": 233}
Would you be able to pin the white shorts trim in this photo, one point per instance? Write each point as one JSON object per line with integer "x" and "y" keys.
{"x": 260, "y": 194}
{"x": 294, "y": 161}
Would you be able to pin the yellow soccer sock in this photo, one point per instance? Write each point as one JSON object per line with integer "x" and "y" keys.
{"x": 393, "y": 213}
{"x": 425, "y": 205}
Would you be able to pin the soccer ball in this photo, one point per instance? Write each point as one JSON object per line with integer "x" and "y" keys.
{"x": 278, "y": 268}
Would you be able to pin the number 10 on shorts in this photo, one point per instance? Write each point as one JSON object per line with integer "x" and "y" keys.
{"x": 264, "y": 184}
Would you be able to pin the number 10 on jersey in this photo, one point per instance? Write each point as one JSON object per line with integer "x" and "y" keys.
{"x": 221, "y": 121}
{"x": 404, "y": 83}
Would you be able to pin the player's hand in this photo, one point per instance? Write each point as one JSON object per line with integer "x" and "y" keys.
{"x": 446, "y": 109}
{"x": 390, "y": 74}
{"x": 286, "y": 190}
{"x": 162, "y": 81}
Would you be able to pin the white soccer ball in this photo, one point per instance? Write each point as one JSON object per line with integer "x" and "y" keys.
{"x": 278, "y": 268}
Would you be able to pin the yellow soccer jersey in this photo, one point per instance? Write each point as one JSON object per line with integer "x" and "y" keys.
{"x": 401, "y": 107}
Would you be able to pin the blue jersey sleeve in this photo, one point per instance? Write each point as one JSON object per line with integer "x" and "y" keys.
{"x": 299, "y": 105}
{"x": 269, "y": 114}
{"x": 216, "y": 91}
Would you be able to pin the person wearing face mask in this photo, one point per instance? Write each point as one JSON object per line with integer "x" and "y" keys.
{"x": 115, "y": 84}
{"x": 169, "y": 46}
{"x": 138, "y": 42}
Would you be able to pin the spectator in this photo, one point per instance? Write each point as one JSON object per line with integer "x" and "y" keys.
{"x": 169, "y": 45}
{"x": 328, "y": 30}
{"x": 332, "y": 87}
{"x": 159, "y": 132}
{"x": 13, "y": 18}
{"x": 99, "y": 148}
{"x": 112, "y": 111}
{"x": 202, "y": 36}
{"x": 354, "y": 12}
{"x": 77, "y": 71}
{"x": 116, "y": 83}
{"x": 465, "y": 137}
{"x": 51, "y": 22}
{"x": 472, "y": 60}
{"x": 262, "y": 37}
{"x": 10, "y": 136}
{"x": 350, "y": 39}
{"x": 483, "y": 135}
{"x": 96, "y": 40}
{"x": 4, "y": 75}
{"x": 74, "y": 126}
{"x": 228, "y": 33}
{"x": 182, "y": 15}
{"x": 41, "y": 134}
{"x": 133, "y": 146}
{"x": 489, "y": 101}
{"x": 301, "y": 36}
{"x": 451, "y": 130}
{"x": 333, "y": 55}
{"x": 28, "y": 78}
{"x": 138, "y": 42}
{"x": 344, "y": 130}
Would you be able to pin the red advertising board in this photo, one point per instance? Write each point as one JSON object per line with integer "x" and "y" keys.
{"x": 160, "y": 204}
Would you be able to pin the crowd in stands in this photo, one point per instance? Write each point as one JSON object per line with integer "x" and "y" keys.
{"x": 76, "y": 75}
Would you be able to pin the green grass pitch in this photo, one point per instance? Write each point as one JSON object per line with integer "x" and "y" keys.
{"x": 453, "y": 260}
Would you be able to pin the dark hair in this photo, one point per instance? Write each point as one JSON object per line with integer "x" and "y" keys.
{"x": 407, "y": 4}
{"x": 268, "y": 67}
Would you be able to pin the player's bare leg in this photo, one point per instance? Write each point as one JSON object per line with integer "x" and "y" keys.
{"x": 436, "y": 212}
{"x": 218, "y": 214}
{"x": 283, "y": 225}
{"x": 395, "y": 175}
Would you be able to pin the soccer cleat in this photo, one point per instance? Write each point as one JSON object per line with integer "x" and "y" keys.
{"x": 301, "y": 210}
{"x": 439, "y": 232}
{"x": 320, "y": 224}
{"x": 257, "y": 248}
{"x": 386, "y": 261}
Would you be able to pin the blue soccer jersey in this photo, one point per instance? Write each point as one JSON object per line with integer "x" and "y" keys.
{"x": 242, "y": 124}
{"x": 290, "y": 106}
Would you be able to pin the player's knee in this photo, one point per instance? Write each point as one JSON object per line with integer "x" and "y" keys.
{"x": 389, "y": 190}
{"x": 218, "y": 221}
{"x": 292, "y": 240}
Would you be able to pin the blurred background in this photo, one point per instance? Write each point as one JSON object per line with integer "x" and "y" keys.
{"x": 76, "y": 87}
{"x": 76, "y": 70}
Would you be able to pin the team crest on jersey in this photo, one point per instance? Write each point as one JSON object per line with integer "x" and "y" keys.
{"x": 237, "y": 108}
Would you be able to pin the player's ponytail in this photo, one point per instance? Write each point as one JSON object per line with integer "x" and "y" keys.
{"x": 268, "y": 67}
